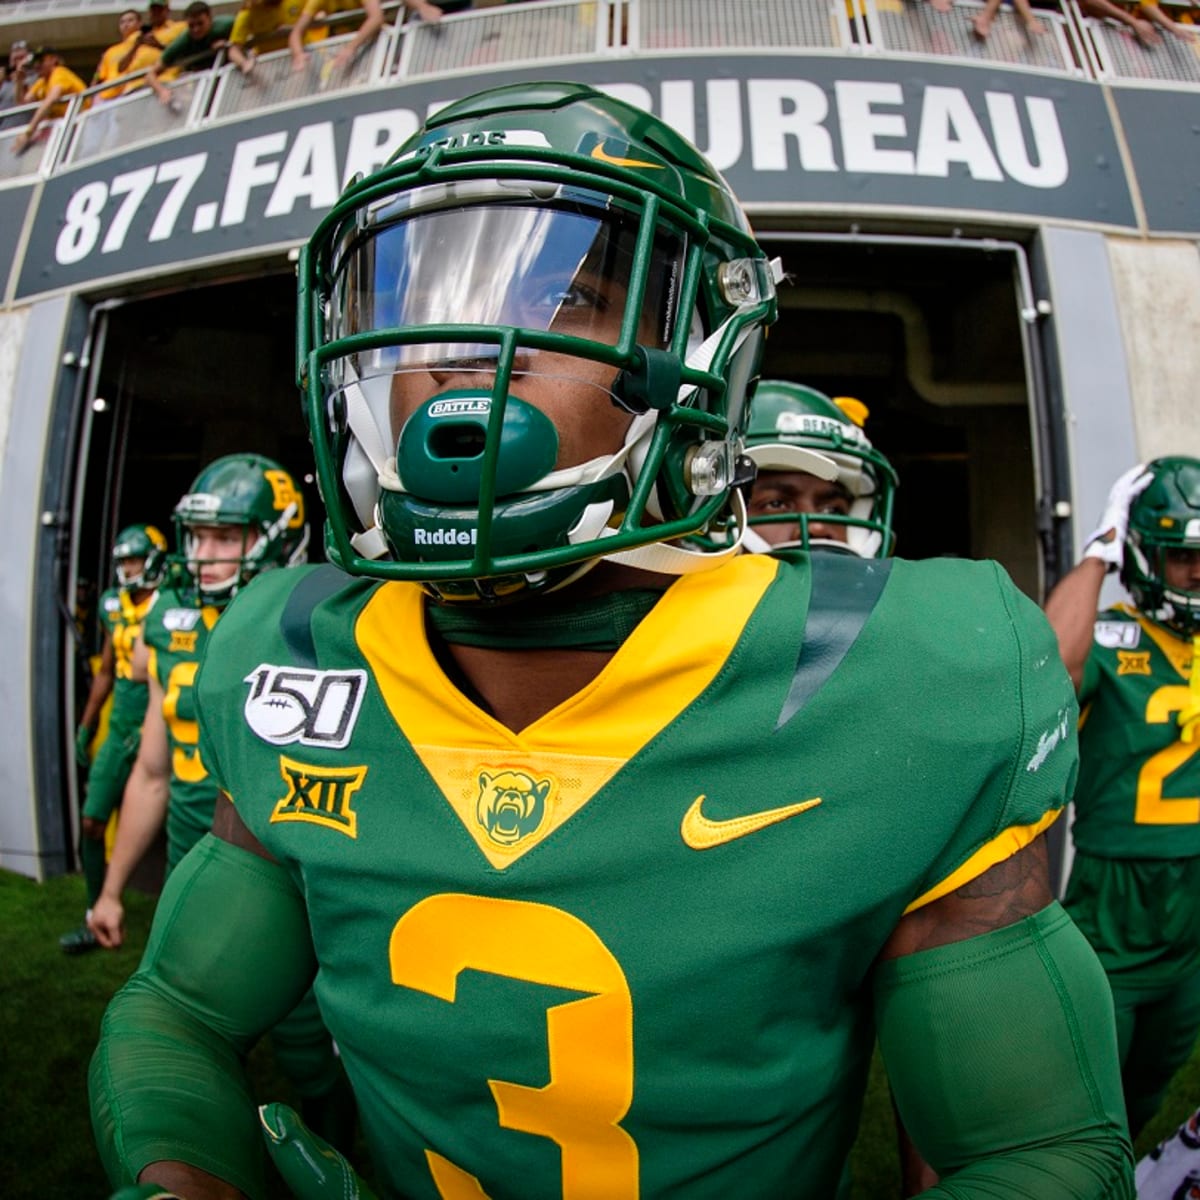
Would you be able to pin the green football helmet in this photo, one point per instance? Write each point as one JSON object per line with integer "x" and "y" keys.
{"x": 255, "y": 494}
{"x": 147, "y": 544}
{"x": 1164, "y": 517}
{"x": 797, "y": 428}
{"x": 534, "y": 251}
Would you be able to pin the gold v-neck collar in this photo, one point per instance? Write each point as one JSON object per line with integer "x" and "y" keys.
{"x": 512, "y": 789}
{"x": 1177, "y": 650}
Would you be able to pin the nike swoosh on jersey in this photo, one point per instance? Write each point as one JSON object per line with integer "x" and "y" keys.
{"x": 701, "y": 833}
{"x": 600, "y": 153}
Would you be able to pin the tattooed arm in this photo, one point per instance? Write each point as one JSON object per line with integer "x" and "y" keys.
{"x": 1015, "y": 888}
{"x": 996, "y": 1025}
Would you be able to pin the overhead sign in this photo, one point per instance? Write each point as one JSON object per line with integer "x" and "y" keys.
{"x": 801, "y": 133}
{"x": 1167, "y": 167}
{"x": 14, "y": 205}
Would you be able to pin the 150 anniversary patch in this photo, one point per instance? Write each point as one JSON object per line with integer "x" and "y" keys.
{"x": 293, "y": 704}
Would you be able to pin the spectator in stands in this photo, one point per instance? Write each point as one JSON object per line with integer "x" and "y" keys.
{"x": 982, "y": 24}
{"x": 127, "y": 49}
{"x": 262, "y": 26}
{"x": 55, "y": 82}
{"x": 1141, "y": 19}
{"x": 367, "y": 31}
{"x": 314, "y": 9}
{"x": 155, "y": 34}
{"x": 195, "y": 49}
{"x": 10, "y": 83}
{"x": 1153, "y": 13}
{"x": 163, "y": 30}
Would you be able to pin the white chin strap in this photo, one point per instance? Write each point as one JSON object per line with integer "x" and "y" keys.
{"x": 755, "y": 543}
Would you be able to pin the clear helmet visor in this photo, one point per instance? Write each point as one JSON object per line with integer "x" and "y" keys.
{"x": 560, "y": 268}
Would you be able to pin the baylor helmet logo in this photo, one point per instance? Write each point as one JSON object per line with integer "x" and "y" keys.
{"x": 511, "y": 805}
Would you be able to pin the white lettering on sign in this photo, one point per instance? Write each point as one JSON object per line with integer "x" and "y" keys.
{"x": 310, "y": 170}
{"x": 773, "y": 126}
{"x": 81, "y": 223}
{"x": 373, "y": 138}
{"x": 789, "y": 108}
{"x": 249, "y": 172}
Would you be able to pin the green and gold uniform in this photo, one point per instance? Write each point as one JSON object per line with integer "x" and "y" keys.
{"x": 632, "y": 948}
{"x": 1135, "y": 884}
{"x": 110, "y": 769}
{"x": 176, "y": 632}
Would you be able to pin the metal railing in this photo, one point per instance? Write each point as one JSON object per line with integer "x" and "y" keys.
{"x": 1118, "y": 57}
{"x": 904, "y": 27}
{"x": 559, "y": 30}
{"x": 665, "y": 25}
{"x": 486, "y": 39}
{"x": 275, "y": 81}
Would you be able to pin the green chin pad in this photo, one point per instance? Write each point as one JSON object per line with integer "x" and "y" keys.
{"x": 441, "y": 449}
{"x": 420, "y": 531}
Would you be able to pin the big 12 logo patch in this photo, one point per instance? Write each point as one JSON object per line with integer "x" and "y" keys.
{"x": 294, "y": 704}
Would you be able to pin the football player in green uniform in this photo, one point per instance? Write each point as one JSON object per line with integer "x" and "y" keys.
{"x": 819, "y": 482}
{"x": 139, "y": 556}
{"x": 242, "y": 516}
{"x": 1134, "y": 887}
{"x": 603, "y": 883}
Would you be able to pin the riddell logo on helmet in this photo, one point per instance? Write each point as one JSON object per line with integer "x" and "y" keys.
{"x": 444, "y": 537}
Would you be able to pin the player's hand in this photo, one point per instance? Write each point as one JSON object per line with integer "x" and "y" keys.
{"x": 1107, "y": 542}
{"x": 107, "y": 922}
{"x": 83, "y": 739}
{"x": 310, "y": 1166}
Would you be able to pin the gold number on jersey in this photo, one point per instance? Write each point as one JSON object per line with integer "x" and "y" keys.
{"x": 590, "y": 1040}
{"x": 1153, "y": 808}
{"x": 185, "y": 757}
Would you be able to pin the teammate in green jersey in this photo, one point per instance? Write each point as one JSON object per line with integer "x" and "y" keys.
{"x": 243, "y": 514}
{"x": 1135, "y": 882}
{"x": 608, "y": 853}
{"x": 139, "y": 555}
{"x": 819, "y": 483}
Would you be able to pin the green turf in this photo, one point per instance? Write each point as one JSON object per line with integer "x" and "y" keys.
{"x": 50, "y": 1009}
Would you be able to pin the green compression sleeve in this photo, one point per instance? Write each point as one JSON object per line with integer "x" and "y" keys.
{"x": 229, "y": 954}
{"x": 1002, "y": 1054}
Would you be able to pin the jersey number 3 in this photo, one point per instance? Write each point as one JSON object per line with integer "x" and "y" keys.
{"x": 590, "y": 1040}
{"x": 1153, "y": 808}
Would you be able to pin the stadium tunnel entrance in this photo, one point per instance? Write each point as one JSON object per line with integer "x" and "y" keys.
{"x": 174, "y": 380}
{"x": 934, "y": 335}
{"x": 938, "y": 337}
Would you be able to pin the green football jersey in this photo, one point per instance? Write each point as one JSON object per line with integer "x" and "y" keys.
{"x": 1139, "y": 783}
{"x": 627, "y": 949}
{"x": 176, "y": 632}
{"x": 123, "y": 621}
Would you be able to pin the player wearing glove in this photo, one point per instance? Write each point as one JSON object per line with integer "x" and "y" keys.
{"x": 1107, "y": 542}
{"x": 1135, "y": 883}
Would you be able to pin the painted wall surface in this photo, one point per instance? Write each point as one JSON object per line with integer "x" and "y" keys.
{"x": 23, "y": 832}
{"x": 1157, "y": 288}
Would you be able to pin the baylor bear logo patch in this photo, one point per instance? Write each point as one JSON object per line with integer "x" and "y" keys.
{"x": 511, "y": 805}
